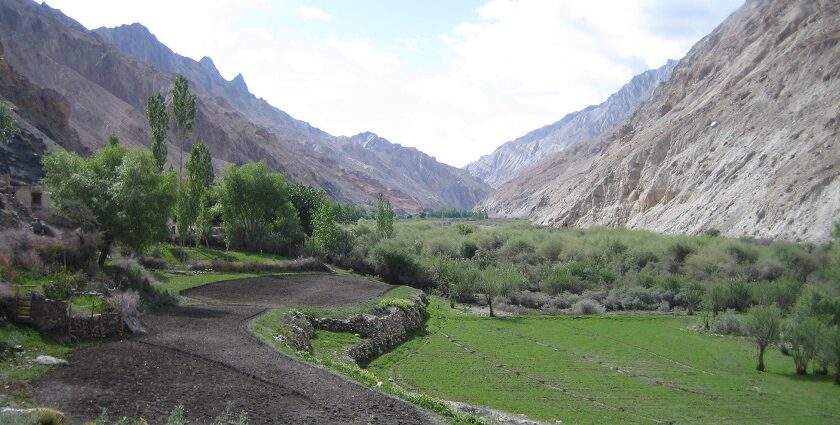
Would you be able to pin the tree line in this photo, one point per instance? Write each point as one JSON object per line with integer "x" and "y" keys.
{"x": 130, "y": 199}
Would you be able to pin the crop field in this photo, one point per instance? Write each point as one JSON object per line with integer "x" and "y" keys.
{"x": 604, "y": 369}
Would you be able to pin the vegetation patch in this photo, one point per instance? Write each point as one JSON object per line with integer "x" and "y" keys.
{"x": 609, "y": 368}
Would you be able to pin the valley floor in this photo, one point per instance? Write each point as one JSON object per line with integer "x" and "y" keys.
{"x": 604, "y": 369}
{"x": 203, "y": 356}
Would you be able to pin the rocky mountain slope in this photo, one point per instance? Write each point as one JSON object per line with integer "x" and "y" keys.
{"x": 516, "y": 157}
{"x": 106, "y": 90}
{"x": 742, "y": 138}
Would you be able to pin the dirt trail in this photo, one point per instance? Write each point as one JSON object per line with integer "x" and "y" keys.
{"x": 203, "y": 356}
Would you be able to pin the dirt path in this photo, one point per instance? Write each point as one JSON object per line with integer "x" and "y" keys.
{"x": 202, "y": 356}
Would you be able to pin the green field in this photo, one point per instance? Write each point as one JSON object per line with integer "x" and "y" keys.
{"x": 604, "y": 369}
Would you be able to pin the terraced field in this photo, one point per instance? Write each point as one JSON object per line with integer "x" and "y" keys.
{"x": 605, "y": 369}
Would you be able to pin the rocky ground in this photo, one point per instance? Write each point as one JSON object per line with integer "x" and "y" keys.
{"x": 202, "y": 356}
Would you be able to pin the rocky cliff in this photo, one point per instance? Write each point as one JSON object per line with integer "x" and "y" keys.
{"x": 516, "y": 157}
{"x": 106, "y": 88}
{"x": 742, "y": 138}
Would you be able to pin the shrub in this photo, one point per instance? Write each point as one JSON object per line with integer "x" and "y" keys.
{"x": 468, "y": 249}
{"x": 228, "y": 417}
{"x": 727, "y": 324}
{"x": 518, "y": 250}
{"x": 585, "y": 306}
{"x": 401, "y": 303}
{"x": 739, "y": 296}
{"x": 298, "y": 265}
{"x": 561, "y": 279}
{"x": 782, "y": 293}
{"x": 529, "y": 299}
{"x": 62, "y": 287}
{"x": 742, "y": 253}
{"x": 551, "y": 248}
{"x": 176, "y": 417}
{"x": 802, "y": 334}
{"x": 712, "y": 233}
{"x": 126, "y": 305}
{"x": 398, "y": 267}
{"x": 465, "y": 229}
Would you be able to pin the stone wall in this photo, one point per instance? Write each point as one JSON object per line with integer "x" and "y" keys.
{"x": 300, "y": 332}
{"x": 96, "y": 326}
{"x": 48, "y": 315}
{"x": 54, "y": 317}
{"x": 380, "y": 332}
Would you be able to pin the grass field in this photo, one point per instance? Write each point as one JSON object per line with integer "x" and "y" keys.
{"x": 604, "y": 369}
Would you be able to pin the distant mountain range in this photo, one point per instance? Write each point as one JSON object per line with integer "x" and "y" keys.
{"x": 517, "y": 156}
{"x": 103, "y": 77}
{"x": 743, "y": 137}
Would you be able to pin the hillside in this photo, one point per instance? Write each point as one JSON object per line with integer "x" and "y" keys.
{"x": 106, "y": 89}
{"x": 516, "y": 157}
{"x": 742, "y": 138}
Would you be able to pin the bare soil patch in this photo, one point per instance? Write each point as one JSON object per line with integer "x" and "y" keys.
{"x": 203, "y": 356}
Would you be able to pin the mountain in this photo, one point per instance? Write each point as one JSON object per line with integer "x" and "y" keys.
{"x": 106, "y": 85}
{"x": 742, "y": 138}
{"x": 515, "y": 157}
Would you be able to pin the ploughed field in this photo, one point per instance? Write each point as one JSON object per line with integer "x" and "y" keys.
{"x": 202, "y": 356}
{"x": 605, "y": 369}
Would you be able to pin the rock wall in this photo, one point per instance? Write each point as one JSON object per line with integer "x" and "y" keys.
{"x": 48, "y": 315}
{"x": 96, "y": 326}
{"x": 379, "y": 332}
{"x": 54, "y": 317}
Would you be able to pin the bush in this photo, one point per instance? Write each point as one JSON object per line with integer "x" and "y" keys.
{"x": 401, "y": 303}
{"x": 529, "y": 299}
{"x": 468, "y": 250}
{"x": 126, "y": 305}
{"x": 398, "y": 267}
{"x": 585, "y": 306}
{"x": 739, "y": 296}
{"x": 727, "y": 324}
{"x": 61, "y": 288}
{"x": 782, "y": 293}
{"x": 712, "y": 233}
{"x": 561, "y": 279}
{"x": 465, "y": 229}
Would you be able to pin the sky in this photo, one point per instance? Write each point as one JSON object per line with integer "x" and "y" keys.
{"x": 453, "y": 78}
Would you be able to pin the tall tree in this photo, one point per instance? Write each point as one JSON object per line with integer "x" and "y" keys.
{"x": 384, "y": 217}
{"x": 7, "y": 123}
{"x": 117, "y": 192}
{"x": 763, "y": 323}
{"x": 159, "y": 123}
{"x": 306, "y": 200}
{"x": 199, "y": 178}
{"x": 183, "y": 113}
{"x": 325, "y": 230}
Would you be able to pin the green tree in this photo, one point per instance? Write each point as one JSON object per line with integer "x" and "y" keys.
{"x": 832, "y": 346}
{"x": 199, "y": 178}
{"x": 306, "y": 200}
{"x": 763, "y": 324}
{"x": 204, "y": 221}
{"x": 183, "y": 113}
{"x": 159, "y": 123}
{"x": 117, "y": 192}
{"x": 250, "y": 200}
{"x": 7, "y": 123}
{"x": 384, "y": 217}
{"x": 803, "y": 335}
{"x": 498, "y": 281}
{"x": 325, "y": 230}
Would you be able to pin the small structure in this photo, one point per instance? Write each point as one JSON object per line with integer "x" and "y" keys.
{"x": 33, "y": 197}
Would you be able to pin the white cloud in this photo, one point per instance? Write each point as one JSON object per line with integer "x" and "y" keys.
{"x": 518, "y": 66}
{"x": 314, "y": 13}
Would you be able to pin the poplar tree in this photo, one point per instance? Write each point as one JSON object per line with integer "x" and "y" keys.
{"x": 183, "y": 113}
{"x": 159, "y": 123}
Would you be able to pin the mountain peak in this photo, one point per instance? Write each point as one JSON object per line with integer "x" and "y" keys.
{"x": 239, "y": 83}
